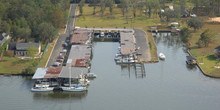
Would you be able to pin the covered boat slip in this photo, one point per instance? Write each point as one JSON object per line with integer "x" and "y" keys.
{"x": 60, "y": 72}
{"x": 79, "y": 55}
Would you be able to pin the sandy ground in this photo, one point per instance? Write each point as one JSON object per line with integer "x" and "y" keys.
{"x": 217, "y": 19}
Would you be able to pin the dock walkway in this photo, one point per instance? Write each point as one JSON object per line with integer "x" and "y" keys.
{"x": 144, "y": 50}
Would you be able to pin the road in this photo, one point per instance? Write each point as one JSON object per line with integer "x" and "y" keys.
{"x": 62, "y": 37}
{"x": 141, "y": 42}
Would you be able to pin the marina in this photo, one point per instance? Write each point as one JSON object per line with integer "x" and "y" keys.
{"x": 74, "y": 64}
{"x": 178, "y": 87}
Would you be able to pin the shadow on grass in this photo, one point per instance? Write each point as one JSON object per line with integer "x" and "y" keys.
{"x": 211, "y": 57}
{"x": 19, "y": 62}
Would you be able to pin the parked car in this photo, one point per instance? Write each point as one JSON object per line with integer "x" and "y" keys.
{"x": 56, "y": 64}
{"x": 60, "y": 57}
{"x": 59, "y": 60}
{"x": 63, "y": 51}
{"x": 65, "y": 44}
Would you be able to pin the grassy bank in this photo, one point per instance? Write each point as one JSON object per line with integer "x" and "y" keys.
{"x": 13, "y": 65}
{"x": 205, "y": 55}
{"x": 116, "y": 20}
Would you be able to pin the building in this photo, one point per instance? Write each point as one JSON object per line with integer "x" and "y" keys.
{"x": 3, "y": 38}
{"x": 128, "y": 43}
{"x": 81, "y": 36}
{"x": 191, "y": 60}
{"x": 217, "y": 51}
{"x": 20, "y": 49}
{"x": 79, "y": 56}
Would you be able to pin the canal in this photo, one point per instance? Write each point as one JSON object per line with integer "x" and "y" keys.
{"x": 168, "y": 85}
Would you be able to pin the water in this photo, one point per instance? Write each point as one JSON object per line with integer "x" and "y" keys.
{"x": 168, "y": 85}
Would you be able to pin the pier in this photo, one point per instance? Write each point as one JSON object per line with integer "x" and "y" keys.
{"x": 75, "y": 62}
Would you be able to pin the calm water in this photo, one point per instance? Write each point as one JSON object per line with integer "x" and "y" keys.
{"x": 168, "y": 85}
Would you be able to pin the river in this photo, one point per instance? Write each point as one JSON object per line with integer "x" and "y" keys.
{"x": 168, "y": 85}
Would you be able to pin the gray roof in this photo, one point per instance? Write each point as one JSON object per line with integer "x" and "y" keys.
{"x": 40, "y": 73}
{"x": 25, "y": 46}
{"x": 75, "y": 72}
{"x": 218, "y": 48}
{"x": 191, "y": 58}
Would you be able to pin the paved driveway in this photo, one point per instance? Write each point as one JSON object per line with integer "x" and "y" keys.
{"x": 58, "y": 47}
{"x": 141, "y": 42}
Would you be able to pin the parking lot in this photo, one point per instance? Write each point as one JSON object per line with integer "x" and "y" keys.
{"x": 59, "y": 47}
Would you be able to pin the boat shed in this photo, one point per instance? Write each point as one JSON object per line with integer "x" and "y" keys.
{"x": 81, "y": 36}
{"x": 51, "y": 72}
{"x": 128, "y": 43}
{"x": 79, "y": 55}
{"x": 76, "y": 72}
{"x": 191, "y": 60}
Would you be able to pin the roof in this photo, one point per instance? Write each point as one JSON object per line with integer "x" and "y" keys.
{"x": 191, "y": 58}
{"x": 78, "y": 52}
{"x": 218, "y": 48}
{"x": 11, "y": 45}
{"x": 39, "y": 74}
{"x": 25, "y": 46}
{"x": 80, "y": 36}
{"x": 76, "y": 72}
{"x": 51, "y": 72}
{"x": 128, "y": 43}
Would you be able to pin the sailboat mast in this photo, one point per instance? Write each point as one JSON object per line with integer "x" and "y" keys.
{"x": 70, "y": 76}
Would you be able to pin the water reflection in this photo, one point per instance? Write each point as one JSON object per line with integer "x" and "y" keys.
{"x": 59, "y": 95}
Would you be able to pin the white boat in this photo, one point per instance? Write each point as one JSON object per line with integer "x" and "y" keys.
{"x": 91, "y": 75}
{"x": 71, "y": 88}
{"x": 42, "y": 89}
{"x": 74, "y": 89}
{"x": 162, "y": 56}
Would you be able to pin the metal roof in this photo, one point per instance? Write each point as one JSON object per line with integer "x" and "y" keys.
{"x": 79, "y": 52}
{"x": 128, "y": 43}
{"x": 73, "y": 72}
{"x": 51, "y": 72}
{"x": 25, "y": 46}
{"x": 39, "y": 74}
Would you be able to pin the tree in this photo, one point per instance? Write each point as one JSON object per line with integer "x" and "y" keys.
{"x": 46, "y": 32}
{"x": 185, "y": 34}
{"x": 32, "y": 51}
{"x": 58, "y": 20}
{"x": 195, "y": 23}
{"x": 168, "y": 14}
{"x": 205, "y": 38}
{"x": 102, "y": 7}
{"x": 94, "y": 3}
{"x": 81, "y": 4}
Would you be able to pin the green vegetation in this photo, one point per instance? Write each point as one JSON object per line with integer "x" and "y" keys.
{"x": 45, "y": 58}
{"x": 13, "y": 65}
{"x": 205, "y": 54}
{"x": 24, "y": 19}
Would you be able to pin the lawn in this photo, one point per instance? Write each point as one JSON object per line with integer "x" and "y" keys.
{"x": 45, "y": 57}
{"x": 116, "y": 20}
{"x": 13, "y": 65}
{"x": 206, "y": 54}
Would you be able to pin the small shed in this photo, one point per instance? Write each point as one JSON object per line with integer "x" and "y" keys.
{"x": 217, "y": 51}
{"x": 191, "y": 60}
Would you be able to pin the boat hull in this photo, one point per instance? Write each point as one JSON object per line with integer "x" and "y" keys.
{"x": 74, "y": 89}
{"x": 49, "y": 89}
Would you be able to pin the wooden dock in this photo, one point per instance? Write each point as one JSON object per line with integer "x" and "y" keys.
{"x": 140, "y": 70}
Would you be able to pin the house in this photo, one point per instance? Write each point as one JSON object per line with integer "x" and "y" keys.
{"x": 3, "y": 38}
{"x": 217, "y": 51}
{"x": 20, "y": 49}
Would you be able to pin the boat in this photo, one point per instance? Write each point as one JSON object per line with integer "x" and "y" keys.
{"x": 73, "y": 88}
{"x": 42, "y": 89}
{"x": 162, "y": 56}
{"x": 91, "y": 75}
